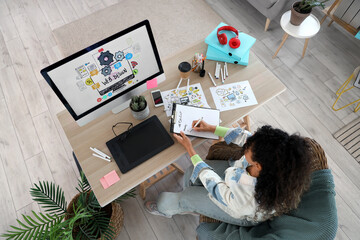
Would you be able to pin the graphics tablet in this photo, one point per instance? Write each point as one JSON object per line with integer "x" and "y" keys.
{"x": 140, "y": 143}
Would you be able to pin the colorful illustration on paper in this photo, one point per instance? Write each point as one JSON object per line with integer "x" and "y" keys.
{"x": 232, "y": 96}
{"x": 109, "y": 71}
{"x": 195, "y": 97}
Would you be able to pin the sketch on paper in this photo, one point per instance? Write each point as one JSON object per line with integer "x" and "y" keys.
{"x": 234, "y": 95}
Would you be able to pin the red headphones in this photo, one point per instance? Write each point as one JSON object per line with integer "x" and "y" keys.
{"x": 234, "y": 42}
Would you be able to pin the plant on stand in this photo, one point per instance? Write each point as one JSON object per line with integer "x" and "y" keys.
{"x": 301, "y": 10}
{"x": 139, "y": 108}
{"x": 83, "y": 218}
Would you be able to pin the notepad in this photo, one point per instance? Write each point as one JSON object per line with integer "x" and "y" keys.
{"x": 183, "y": 116}
{"x": 109, "y": 179}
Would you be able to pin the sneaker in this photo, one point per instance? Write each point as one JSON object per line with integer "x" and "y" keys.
{"x": 151, "y": 207}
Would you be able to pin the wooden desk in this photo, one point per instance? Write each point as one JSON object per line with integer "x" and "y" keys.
{"x": 95, "y": 134}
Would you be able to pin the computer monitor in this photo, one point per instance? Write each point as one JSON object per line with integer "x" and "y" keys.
{"x": 105, "y": 75}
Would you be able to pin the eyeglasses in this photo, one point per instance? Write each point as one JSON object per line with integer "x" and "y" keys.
{"x": 126, "y": 133}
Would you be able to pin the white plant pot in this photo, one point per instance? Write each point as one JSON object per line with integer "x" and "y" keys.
{"x": 142, "y": 114}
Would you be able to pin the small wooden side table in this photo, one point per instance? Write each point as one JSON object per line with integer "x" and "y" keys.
{"x": 307, "y": 29}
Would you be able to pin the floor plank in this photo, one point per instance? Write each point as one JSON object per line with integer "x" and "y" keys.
{"x": 66, "y": 10}
{"x": 51, "y": 13}
{"x": 32, "y": 46}
{"x": 333, "y": 148}
{"x": 13, "y": 161}
{"x": 137, "y": 225}
{"x": 27, "y": 79}
{"x": 25, "y": 130}
{"x": 309, "y": 98}
{"x": 7, "y": 207}
{"x": 5, "y": 60}
{"x": 54, "y": 151}
{"x": 39, "y": 169}
{"x": 164, "y": 228}
{"x": 40, "y": 24}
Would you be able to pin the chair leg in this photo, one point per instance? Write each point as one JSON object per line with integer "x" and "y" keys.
{"x": 323, "y": 19}
{"x": 330, "y": 23}
{"x": 267, "y": 24}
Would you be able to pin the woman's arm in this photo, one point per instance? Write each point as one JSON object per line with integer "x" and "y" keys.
{"x": 231, "y": 135}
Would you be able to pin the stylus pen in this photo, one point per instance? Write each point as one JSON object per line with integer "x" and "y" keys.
{"x": 100, "y": 153}
{"x": 187, "y": 86}
{"x": 226, "y": 70}
{"x": 222, "y": 76}
{"x": 177, "y": 88}
{"x": 212, "y": 79}
{"x": 197, "y": 123}
{"x": 95, "y": 155}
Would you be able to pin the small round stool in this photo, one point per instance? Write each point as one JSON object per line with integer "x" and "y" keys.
{"x": 307, "y": 29}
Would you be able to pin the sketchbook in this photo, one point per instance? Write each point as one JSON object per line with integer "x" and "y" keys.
{"x": 183, "y": 115}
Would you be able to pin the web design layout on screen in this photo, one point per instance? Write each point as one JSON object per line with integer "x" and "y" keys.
{"x": 103, "y": 73}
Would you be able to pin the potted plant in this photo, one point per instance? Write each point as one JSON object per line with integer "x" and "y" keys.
{"x": 83, "y": 218}
{"x": 301, "y": 10}
{"x": 139, "y": 108}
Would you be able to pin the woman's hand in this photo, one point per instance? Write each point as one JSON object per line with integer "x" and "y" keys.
{"x": 185, "y": 141}
{"x": 203, "y": 126}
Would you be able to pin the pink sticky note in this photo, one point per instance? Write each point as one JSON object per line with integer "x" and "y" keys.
{"x": 151, "y": 83}
{"x": 109, "y": 179}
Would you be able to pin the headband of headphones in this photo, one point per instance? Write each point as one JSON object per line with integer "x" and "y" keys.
{"x": 229, "y": 28}
{"x": 234, "y": 42}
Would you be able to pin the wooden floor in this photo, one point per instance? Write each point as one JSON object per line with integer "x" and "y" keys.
{"x": 33, "y": 146}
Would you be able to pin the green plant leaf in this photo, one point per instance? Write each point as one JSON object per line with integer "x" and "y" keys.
{"x": 83, "y": 183}
{"x": 50, "y": 197}
{"x": 31, "y": 228}
{"x": 130, "y": 194}
{"x": 96, "y": 226}
{"x": 64, "y": 230}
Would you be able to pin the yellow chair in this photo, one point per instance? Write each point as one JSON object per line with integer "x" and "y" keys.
{"x": 344, "y": 88}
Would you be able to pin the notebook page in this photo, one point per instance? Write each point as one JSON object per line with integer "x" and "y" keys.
{"x": 185, "y": 115}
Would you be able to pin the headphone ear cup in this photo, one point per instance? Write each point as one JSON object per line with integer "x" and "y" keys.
{"x": 234, "y": 42}
{"x": 222, "y": 38}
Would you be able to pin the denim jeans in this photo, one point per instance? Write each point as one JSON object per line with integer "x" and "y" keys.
{"x": 194, "y": 198}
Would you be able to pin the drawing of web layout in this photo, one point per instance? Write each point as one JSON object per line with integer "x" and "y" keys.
{"x": 195, "y": 97}
{"x": 233, "y": 95}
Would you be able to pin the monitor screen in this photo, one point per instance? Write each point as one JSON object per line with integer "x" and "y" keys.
{"x": 99, "y": 74}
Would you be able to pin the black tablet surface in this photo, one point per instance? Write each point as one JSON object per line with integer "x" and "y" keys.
{"x": 140, "y": 143}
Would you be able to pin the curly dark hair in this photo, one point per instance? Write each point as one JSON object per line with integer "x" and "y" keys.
{"x": 286, "y": 169}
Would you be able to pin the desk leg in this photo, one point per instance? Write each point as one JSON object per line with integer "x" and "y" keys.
{"x": 180, "y": 170}
{"x": 247, "y": 122}
{"x": 142, "y": 190}
{"x": 244, "y": 123}
{"x": 281, "y": 44}
{"x": 305, "y": 46}
{"x": 157, "y": 177}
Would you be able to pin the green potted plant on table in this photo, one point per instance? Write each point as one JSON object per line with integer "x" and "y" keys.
{"x": 301, "y": 10}
{"x": 83, "y": 218}
{"x": 139, "y": 107}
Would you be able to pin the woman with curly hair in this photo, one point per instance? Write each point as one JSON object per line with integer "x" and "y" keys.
{"x": 267, "y": 181}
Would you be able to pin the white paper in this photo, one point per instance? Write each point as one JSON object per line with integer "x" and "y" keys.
{"x": 233, "y": 95}
{"x": 185, "y": 115}
{"x": 196, "y": 97}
